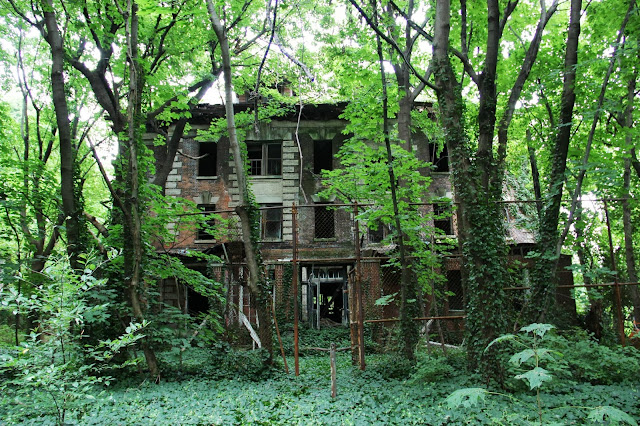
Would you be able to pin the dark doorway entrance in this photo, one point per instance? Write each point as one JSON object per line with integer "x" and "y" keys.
{"x": 196, "y": 302}
{"x": 327, "y": 298}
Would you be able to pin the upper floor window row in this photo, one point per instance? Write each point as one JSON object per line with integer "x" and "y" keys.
{"x": 265, "y": 158}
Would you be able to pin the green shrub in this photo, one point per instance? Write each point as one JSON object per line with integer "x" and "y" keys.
{"x": 7, "y": 336}
{"x": 218, "y": 362}
{"x": 438, "y": 366}
{"x": 391, "y": 366}
{"x": 586, "y": 360}
{"x": 52, "y": 371}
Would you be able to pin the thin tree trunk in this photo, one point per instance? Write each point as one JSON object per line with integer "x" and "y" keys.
{"x": 543, "y": 282}
{"x": 246, "y": 210}
{"x": 535, "y": 175}
{"x": 596, "y": 118}
{"x": 133, "y": 220}
{"x": 593, "y": 320}
{"x": 408, "y": 290}
{"x": 626, "y": 208}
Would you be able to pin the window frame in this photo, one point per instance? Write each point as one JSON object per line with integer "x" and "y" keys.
{"x": 268, "y": 163}
{"x": 201, "y": 234}
{"x": 440, "y": 222}
{"x": 328, "y": 211}
{"x": 274, "y": 210}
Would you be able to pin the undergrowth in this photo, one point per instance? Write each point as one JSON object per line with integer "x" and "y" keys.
{"x": 206, "y": 395}
{"x": 222, "y": 385}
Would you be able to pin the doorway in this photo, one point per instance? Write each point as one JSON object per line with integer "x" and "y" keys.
{"x": 327, "y": 301}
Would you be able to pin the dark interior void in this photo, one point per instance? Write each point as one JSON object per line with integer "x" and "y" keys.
{"x": 442, "y": 218}
{"x": 439, "y": 157}
{"x": 208, "y": 159}
{"x": 331, "y": 301}
{"x": 455, "y": 298}
{"x": 327, "y": 299}
{"x": 322, "y": 156}
{"x": 196, "y": 302}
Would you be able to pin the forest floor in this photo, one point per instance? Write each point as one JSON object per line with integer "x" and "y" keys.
{"x": 201, "y": 395}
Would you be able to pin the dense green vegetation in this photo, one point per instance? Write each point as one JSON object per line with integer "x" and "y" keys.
{"x": 222, "y": 386}
{"x": 533, "y": 100}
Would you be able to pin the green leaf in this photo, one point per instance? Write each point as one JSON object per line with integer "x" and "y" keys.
{"x": 386, "y": 299}
{"x": 466, "y": 398}
{"x": 535, "y": 377}
{"x": 500, "y": 339}
{"x": 522, "y": 356}
{"x": 608, "y": 414}
{"x": 537, "y": 329}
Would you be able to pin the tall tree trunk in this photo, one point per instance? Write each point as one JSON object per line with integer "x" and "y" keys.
{"x": 71, "y": 210}
{"x": 132, "y": 208}
{"x": 477, "y": 190}
{"x": 628, "y": 241}
{"x": 543, "y": 280}
{"x": 626, "y": 208}
{"x": 246, "y": 210}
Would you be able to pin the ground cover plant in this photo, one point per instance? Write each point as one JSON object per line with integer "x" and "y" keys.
{"x": 221, "y": 386}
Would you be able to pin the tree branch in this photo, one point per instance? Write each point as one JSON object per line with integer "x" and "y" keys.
{"x": 393, "y": 44}
{"x": 460, "y": 55}
{"x": 596, "y": 118}
{"x": 523, "y": 75}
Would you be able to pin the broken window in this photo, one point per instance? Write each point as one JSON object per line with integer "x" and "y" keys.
{"x": 377, "y": 231}
{"x": 376, "y": 235}
{"x": 322, "y": 156}
{"x": 205, "y": 228}
{"x": 265, "y": 158}
{"x": 207, "y": 158}
{"x": 442, "y": 218}
{"x": 271, "y": 222}
{"x": 324, "y": 222}
{"x": 455, "y": 298}
{"x": 439, "y": 157}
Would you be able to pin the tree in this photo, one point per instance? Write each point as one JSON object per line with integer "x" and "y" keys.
{"x": 247, "y": 209}
{"x": 151, "y": 58}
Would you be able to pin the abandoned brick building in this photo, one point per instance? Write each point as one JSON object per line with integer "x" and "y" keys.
{"x": 286, "y": 157}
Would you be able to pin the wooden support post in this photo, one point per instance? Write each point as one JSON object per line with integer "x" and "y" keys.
{"x": 332, "y": 360}
{"x": 332, "y": 357}
{"x": 294, "y": 287}
{"x": 359, "y": 295}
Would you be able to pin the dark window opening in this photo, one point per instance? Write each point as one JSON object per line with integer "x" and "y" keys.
{"x": 322, "y": 156}
{"x": 439, "y": 158}
{"x": 376, "y": 235}
{"x": 265, "y": 159}
{"x": 205, "y": 228}
{"x": 207, "y": 158}
{"x": 442, "y": 218}
{"x": 324, "y": 222}
{"x": 271, "y": 226}
{"x": 196, "y": 303}
{"x": 455, "y": 296}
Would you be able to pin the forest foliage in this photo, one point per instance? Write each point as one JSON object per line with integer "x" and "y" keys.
{"x": 533, "y": 100}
